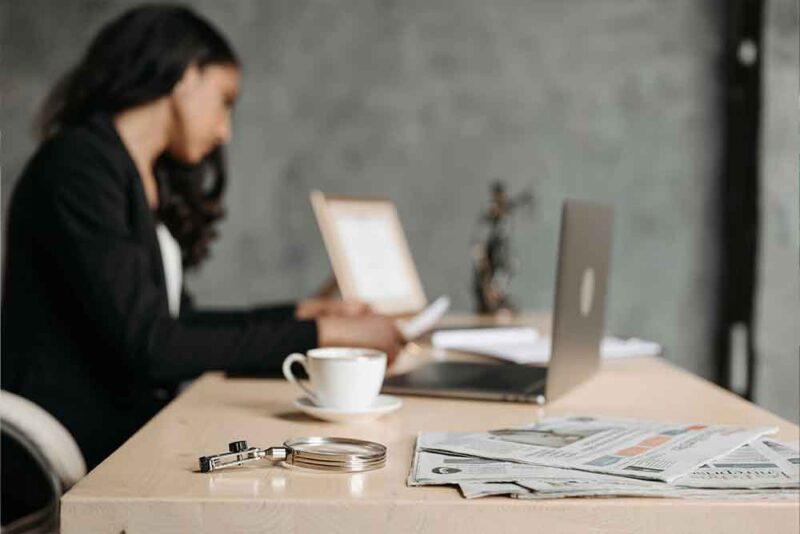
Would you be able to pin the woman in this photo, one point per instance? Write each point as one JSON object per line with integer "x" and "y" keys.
{"x": 123, "y": 192}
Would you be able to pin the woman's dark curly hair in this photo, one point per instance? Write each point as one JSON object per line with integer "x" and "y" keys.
{"x": 135, "y": 59}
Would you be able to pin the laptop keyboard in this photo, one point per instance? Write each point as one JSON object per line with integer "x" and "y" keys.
{"x": 471, "y": 376}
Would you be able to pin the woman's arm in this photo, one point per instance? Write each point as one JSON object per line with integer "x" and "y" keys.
{"x": 106, "y": 275}
{"x": 306, "y": 309}
{"x": 275, "y": 312}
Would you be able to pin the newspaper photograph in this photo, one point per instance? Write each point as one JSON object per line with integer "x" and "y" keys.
{"x": 629, "y": 448}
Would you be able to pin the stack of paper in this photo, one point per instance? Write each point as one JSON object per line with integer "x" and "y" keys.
{"x": 605, "y": 457}
{"x": 524, "y": 345}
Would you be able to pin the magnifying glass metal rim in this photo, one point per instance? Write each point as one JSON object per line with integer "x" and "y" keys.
{"x": 336, "y": 469}
{"x": 342, "y": 468}
{"x": 304, "y": 447}
{"x": 319, "y": 440}
{"x": 372, "y": 456}
{"x": 293, "y": 458}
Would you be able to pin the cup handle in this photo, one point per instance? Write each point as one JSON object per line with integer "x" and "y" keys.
{"x": 287, "y": 372}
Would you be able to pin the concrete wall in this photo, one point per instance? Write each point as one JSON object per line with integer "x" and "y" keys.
{"x": 778, "y": 316}
{"x": 427, "y": 102}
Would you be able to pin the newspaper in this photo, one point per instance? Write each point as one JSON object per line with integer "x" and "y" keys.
{"x": 624, "y": 447}
{"x": 763, "y": 469}
{"x": 764, "y": 463}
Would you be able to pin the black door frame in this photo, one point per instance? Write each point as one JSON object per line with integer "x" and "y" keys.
{"x": 739, "y": 191}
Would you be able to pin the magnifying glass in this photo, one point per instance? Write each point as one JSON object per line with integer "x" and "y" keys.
{"x": 344, "y": 455}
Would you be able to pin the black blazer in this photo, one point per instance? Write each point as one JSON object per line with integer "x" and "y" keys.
{"x": 86, "y": 330}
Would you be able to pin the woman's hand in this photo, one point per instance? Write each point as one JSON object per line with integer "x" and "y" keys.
{"x": 313, "y": 308}
{"x": 370, "y": 331}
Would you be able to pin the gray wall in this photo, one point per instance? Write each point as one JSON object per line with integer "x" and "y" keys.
{"x": 778, "y": 316}
{"x": 427, "y": 102}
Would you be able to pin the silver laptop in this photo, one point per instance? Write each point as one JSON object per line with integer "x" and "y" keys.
{"x": 578, "y": 324}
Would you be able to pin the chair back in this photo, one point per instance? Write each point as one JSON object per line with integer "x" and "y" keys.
{"x": 53, "y": 449}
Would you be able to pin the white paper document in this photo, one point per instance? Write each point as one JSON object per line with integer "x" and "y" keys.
{"x": 524, "y": 345}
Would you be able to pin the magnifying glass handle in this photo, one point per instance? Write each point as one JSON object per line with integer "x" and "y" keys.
{"x": 240, "y": 454}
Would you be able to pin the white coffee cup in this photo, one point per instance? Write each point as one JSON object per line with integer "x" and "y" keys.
{"x": 340, "y": 377}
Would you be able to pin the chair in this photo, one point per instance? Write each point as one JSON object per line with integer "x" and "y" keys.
{"x": 54, "y": 453}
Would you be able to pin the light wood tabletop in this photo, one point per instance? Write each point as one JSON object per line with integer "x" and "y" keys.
{"x": 151, "y": 483}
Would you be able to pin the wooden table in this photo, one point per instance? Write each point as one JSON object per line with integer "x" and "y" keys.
{"x": 151, "y": 485}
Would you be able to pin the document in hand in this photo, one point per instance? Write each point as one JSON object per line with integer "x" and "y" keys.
{"x": 425, "y": 320}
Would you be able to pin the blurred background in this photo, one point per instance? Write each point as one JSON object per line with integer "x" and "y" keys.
{"x": 630, "y": 102}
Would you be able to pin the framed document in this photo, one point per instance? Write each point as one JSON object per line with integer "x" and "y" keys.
{"x": 369, "y": 252}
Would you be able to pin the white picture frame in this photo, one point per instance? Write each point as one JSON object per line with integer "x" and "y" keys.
{"x": 369, "y": 252}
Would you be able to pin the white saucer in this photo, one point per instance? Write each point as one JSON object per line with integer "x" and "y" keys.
{"x": 383, "y": 404}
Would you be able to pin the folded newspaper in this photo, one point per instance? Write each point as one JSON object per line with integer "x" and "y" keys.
{"x": 606, "y": 457}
